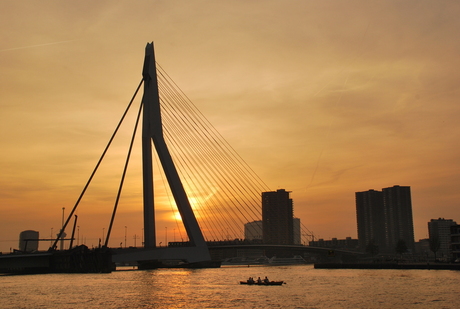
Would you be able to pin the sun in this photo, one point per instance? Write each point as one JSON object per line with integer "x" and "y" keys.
{"x": 177, "y": 216}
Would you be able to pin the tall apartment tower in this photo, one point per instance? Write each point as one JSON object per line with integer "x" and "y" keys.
{"x": 440, "y": 229}
{"x": 399, "y": 223}
{"x": 277, "y": 218}
{"x": 370, "y": 218}
{"x": 385, "y": 217}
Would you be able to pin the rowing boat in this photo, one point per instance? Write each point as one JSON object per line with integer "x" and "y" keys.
{"x": 262, "y": 283}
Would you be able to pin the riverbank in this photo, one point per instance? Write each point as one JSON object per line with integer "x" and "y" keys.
{"x": 446, "y": 266}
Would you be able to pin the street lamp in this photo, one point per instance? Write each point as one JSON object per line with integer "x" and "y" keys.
{"x": 126, "y": 230}
{"x": 135, "y": 240}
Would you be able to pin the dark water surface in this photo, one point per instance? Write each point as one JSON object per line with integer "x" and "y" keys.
{"x": 219, "y": 288}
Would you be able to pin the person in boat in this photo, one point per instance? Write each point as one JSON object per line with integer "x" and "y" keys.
{"x": 266, "y": 280}
{"x": 251, "y": 280}
{"x": 259, "y": 280}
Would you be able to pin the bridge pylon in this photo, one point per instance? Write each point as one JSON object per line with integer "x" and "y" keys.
{"x": 152, "y": 131}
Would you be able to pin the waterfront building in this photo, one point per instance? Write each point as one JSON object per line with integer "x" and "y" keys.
{"x": 370, "y": 218}
{"x": 28, "y": 241}
{"x": 277, "y": 217}
{"x": 439, "y": 231}
{"x": 297, "y": 238}
{"x": 455, "y": 242}
{"x": 253, "y": 230}
{"x": 346, "y": 244}
{"x": 397, "y": 204}
{"x": 385, "y": 218}
{"x": 422, "y": 247}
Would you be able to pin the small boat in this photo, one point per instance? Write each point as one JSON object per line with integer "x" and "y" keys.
{"x": 262, "y": 283}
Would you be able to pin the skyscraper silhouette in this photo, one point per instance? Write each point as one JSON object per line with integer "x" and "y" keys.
{"x": 277, "y": 217}
{"x": 385, "y": 217}
{"x": 370, "y": 218}
{"x": 399, "y": 224}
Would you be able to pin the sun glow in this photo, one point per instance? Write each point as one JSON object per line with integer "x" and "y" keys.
{"x": 194, "y": 202}
{"x": 176, "y": 216}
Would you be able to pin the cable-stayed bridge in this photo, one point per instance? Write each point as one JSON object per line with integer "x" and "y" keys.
{"x": 214, "y": 190}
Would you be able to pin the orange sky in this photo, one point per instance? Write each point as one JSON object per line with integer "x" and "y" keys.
{"x": 322, "y": 98}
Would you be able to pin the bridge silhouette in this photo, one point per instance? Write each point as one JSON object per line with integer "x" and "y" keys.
{"x": 215, "y": 191}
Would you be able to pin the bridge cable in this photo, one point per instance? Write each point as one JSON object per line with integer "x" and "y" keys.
{"x": 95, "y": 169}
{"x": 214, "y": 153}
{"x": 209, "y": 164}
{"x": 109, "y": 230}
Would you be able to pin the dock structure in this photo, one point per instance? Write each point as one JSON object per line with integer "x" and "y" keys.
{"x": 76, "y": 260}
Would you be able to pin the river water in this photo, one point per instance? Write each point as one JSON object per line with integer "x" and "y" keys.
{"x": 306, "y": 287}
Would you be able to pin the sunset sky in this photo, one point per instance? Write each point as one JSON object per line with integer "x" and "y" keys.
{"x": 321, "y": 98}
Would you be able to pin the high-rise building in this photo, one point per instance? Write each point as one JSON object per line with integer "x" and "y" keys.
{"x": 439, "y": 230}
{"x": 399, "y": 224}
{"x": 253, "y": 230}
{"x": 277, "y": 218}
{"x": 370, "y": 218}
{"x": 385, "y": 217}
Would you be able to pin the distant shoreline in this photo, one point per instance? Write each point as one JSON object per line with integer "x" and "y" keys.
{"x": 445, "y": 266}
